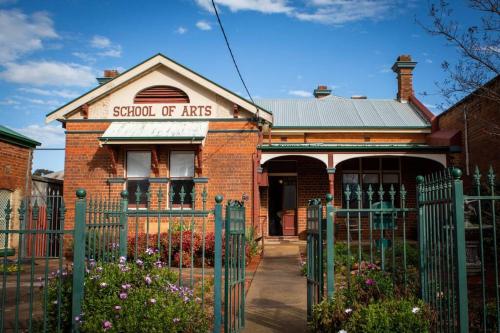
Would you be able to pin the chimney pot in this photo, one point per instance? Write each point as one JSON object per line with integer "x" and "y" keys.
{"x": 322, "y": 91}
{"x": 110, "y": 73}
{"x": 403, "y": 67}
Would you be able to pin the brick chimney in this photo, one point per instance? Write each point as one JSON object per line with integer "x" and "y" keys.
{"x": 322, "y": 91}
{"x": 403, "y": 67}
{"x": 108, "y": 75}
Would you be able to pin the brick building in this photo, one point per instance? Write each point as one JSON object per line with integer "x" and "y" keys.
{"x": 161, "y": 125}
{"x": 16, "y": 152}
{"x": 474, "y": 122}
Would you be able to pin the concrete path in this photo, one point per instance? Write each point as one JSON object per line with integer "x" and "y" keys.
{"x": 277, "y": 301}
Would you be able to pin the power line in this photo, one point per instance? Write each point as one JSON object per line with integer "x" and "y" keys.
{"x": 231, "y": 52}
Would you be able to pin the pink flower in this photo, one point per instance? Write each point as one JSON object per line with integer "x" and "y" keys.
{"x": 148, "y": 280}
{"x": 117, "y": 308}
{"x": 370, "y": 282}
{"x": 123, "y": 295}
{"x": 152, "y": 301}
{"x": 106, "y": 325}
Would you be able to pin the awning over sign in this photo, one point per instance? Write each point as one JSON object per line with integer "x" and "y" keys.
{"x": 160, "y": 132}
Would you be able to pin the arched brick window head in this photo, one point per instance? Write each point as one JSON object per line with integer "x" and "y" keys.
{"x": 161, "y": 94}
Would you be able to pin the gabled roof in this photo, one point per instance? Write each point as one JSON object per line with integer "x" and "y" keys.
{"x": 136, "y": 71}
{"x": 337, "y": 112}
{"x": 6, "y": 134}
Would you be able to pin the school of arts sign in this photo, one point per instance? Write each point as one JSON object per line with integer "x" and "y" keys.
{"x": 162, "y": 111}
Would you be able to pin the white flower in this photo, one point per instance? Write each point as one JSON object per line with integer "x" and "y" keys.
{"x": 415, "y": 309}
{"x": 348, "y": 310}
{"x": 342, "y": 331}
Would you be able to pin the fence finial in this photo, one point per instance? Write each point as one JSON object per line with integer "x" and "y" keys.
{"x": 81, "y": 193}
{"x": 218, "y": 198}
{"x": 124, "y": 194}
{"x": 329, "y": 198}
{"x": 456, "y": 173}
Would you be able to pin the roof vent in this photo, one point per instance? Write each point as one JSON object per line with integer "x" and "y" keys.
{"x": 358, "y": 97}
{"x": 322, "y": 91}
{"x": 108, "y": 75}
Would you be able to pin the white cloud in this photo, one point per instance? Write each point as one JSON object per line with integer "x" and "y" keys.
{"x": 48, "y": 135}
{"x": 21, "y": 33}
{"x": 203, "y": 25}
{"x": 85, "y": 57}
{"x": 9, "y": 101}
{"x": 100, "y": 42}
{"x": 263, "y": 6}
{"x": 109, "y": 49}
{"x": 45, "y": 92}
{"x": 429, "y": 61}
{"x": 181, "y": 30}
{"x": 334, "y": 12}
{"x": 39, "y": 73}
{"x": 300, "y": 93}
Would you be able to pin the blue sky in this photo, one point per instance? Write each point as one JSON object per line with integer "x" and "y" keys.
{"x": 51, "y": 51}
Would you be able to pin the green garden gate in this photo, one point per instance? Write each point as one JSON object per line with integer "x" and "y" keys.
{"x": 110, "y": 229}
{"x": 452, "y": 264}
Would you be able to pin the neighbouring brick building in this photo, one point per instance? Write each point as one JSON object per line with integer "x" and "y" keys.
{"x": 475, "y": 123}
{"x": 16, "y": 153}
{"x": 161, "y": 125}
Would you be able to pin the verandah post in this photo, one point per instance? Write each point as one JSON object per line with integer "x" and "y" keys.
{"x": 330, "y": 251}
{"x": 460, "y": 256}
{"x": 78, "y": 256}
{"x": 124, "y": 223}
{"x": 218, "y": 264}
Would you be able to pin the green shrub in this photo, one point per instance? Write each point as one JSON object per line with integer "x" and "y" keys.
{"x": 391, "y": 315}
{"x": 128, "y": 297}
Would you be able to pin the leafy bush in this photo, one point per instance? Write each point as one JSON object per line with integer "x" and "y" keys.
{"x": 391, "y": 315}
{"x": 128, "y": 297}
{"x": 370, "y": 303}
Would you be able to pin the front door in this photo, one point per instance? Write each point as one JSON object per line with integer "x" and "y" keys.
{"x": 282, "y": 205}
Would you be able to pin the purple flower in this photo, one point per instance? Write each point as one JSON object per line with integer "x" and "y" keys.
{"x": 106, "y": 325}
{"x": 159, "y": 264}
{"x": 123, "y": 295}
{"x": 150, "y": 251}
{"x": 126, "y": 286}
{"x": 176, "y": 320}
{"x": 139, "y": 262}
{"x": 92, "y": 262}
{"x": 370, "y": 282}
{"x": 148, "y": 280}
{"x": 123, "y": 260}
{"x": 117, "y": 308}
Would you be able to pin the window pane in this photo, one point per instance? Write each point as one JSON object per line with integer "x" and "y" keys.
{"x": 138, "y": 164}
{"x": 132, "y": 189}
{"x": 390, "y": 163}
{"x": 182, "y": 164}
{"x": 350, "y": 178}
{"x": 370, "y": 178}
{"x": 390, "y": 178}
{"x": 177, "y": 185}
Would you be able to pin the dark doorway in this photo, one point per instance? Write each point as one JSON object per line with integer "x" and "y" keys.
{"x": 282, "y": 206}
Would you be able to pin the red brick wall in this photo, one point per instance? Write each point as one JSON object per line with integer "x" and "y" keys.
{"x": 14, "y": 163}
{"x": 483, "y": 132}
{"x": 227, "y": 162}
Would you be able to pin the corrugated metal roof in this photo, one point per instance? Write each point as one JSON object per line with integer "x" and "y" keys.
{"x": 333, "y": 111}
{"x": 143, "y": 130}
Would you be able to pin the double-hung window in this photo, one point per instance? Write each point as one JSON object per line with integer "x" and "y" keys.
{"x": 138, "y": 172}
{"x": 181, "y": 176}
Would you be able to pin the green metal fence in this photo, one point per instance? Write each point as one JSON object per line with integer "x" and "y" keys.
{"x": 368, "y": 231}
{"x": 314, "y": 254}
{"x": 188, "y": 235}
{"x": 32, "y": 253}
{"x": 234, "y": 263}
{"x": 459, "y": 251}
